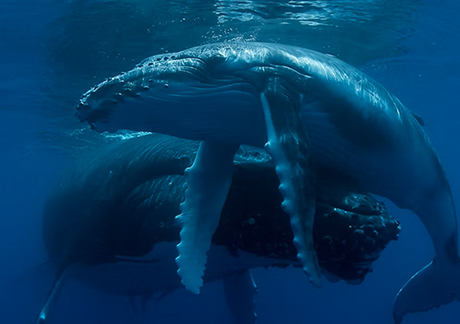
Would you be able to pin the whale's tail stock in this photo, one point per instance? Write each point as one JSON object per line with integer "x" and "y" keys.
{"x": 435, "y": 285}
{"x": 438, "y": 283}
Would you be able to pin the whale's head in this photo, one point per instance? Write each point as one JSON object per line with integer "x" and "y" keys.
{"x": 183, "y": 96}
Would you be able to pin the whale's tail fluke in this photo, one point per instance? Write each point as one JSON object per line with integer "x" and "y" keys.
{"x": 431, "y": 287}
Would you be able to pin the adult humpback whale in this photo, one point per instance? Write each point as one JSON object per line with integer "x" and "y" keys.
{"x": 316, "y": 112}
{"x": 110, "y": 224}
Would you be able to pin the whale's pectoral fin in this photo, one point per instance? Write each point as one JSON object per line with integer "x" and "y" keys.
{"x": 52, "y": 297}
{"x": 208, "y": 182}
{"x": 288, "y": 146}
{"x": 240, "y": 290}
{"x": 431, "y": 287}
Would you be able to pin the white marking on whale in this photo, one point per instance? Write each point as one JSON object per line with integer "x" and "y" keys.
{"x": 353, "y": 128}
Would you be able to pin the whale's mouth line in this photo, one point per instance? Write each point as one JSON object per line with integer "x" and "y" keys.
{"x": 93, "y": 108}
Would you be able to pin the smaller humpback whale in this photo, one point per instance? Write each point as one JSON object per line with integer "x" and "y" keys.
{"x": 110, "y": 224}
{"x": 312, "y": 112}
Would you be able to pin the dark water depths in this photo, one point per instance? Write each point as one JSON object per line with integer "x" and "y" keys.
{"x": 53, "y": 51}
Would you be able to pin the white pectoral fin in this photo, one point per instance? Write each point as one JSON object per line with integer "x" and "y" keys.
{"x": 208, "y": 182}
{"x": 288, "y": 146}
{"x": 240, "y": 290}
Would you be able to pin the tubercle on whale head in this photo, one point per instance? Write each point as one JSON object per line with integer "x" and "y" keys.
{"x": 97, "y": 103}
{"x": 155, "y": 74}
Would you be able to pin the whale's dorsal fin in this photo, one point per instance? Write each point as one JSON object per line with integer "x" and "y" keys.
{"x": 418, "y": 118}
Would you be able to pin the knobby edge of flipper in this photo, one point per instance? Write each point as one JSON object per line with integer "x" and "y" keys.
{"x": 431, "y": 287}
{"x": 240, "y": 291}
{"x": 288, "y": 146}
{"x": 208, "y": 183}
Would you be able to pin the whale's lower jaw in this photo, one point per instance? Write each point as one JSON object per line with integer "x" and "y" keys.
{"x": 227, "y": 113}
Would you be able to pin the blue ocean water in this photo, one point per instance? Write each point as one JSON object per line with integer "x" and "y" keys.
{"x": 52, "y": 51}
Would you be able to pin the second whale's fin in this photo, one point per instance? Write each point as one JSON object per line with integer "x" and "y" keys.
{"x": 240, "y": 290}
{"x": 431, "y": 287}
{"x": 288, "y": 146}
{"x": 53, "y": 295}
{"x": 208, "y": 182}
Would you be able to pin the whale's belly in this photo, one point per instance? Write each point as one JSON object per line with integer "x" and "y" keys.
{"x": 381, "y": 162}
{"x": 156, "y": 272}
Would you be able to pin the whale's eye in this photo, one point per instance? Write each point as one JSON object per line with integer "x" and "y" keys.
{"x": 215, "y": 61}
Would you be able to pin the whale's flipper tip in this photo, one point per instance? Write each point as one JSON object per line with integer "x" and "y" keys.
{"x": 52, "y": 297}
{"x": 429, "y": 288}
{"x": 191, "y": 277}
{"x": 41, "y": 319}
{"x": 313, "y": 272}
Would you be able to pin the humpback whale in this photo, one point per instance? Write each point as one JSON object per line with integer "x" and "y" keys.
{"x": 312, "y": 112}
{"x": 110, "y": 224}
